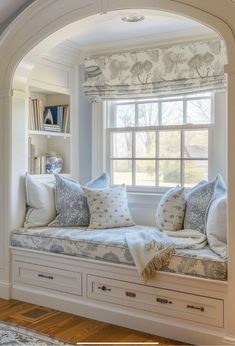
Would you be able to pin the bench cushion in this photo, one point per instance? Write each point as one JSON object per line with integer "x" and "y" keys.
{"x": 110, "y": 245}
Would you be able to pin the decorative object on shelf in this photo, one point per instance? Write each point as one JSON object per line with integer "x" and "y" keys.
{"x": 48, "y": 163}
{"x": 53, "y": 163}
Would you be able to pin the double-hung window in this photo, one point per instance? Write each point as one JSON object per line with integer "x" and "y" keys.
{"x": 160, "y": 142}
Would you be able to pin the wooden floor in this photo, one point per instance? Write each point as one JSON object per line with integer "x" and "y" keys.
{"x": 70, "y": 327}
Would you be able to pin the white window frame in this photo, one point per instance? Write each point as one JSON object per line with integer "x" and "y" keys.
{"x": 109, "y": 130}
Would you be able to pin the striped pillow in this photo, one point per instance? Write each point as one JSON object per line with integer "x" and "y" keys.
{"x": 171, "y": 209}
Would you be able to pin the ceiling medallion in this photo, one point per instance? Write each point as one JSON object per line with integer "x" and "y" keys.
{"x": 132, "y": 18}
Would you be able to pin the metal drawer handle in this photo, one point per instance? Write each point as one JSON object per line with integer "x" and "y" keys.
{"x": 195, "y": 308}
{"x": 130, "y": 294}
{"x": 104, "y": 288}
{"x": 46, "y": 276}
{"x": 163, "y": 301}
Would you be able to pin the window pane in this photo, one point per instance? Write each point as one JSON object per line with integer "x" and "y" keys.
{"x": 169, "y": 144}
{"x": 122, "y": 145}
{"x": 196, "y": 144}
{"x": 145, "y": 144}
{"x": 122, "y": 172}
{"x": 125, "y": 115}
{"x": 194, "y": 171}
{"x": 199, "y": 111}
{"x": 148, "y": 114}
{"x": 172, "y": 113}
{"x": 145, "y": 172}
{"x": 169, "y": 172}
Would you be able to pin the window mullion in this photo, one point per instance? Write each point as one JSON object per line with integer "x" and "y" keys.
{"x": 156, "y": 160}
{"x": 133, "y": 158}
{"x": 182, "y": 178}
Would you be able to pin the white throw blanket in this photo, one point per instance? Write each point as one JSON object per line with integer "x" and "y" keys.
{"x": 152, "y": 249}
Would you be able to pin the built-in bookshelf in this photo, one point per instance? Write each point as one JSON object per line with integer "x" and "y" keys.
{"x": 48, "y": 129}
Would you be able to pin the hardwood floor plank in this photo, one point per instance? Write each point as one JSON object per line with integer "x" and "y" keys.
{"x": 72, "y": 328}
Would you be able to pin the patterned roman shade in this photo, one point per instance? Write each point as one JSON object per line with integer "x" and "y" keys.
{"x": 157, "y": 71}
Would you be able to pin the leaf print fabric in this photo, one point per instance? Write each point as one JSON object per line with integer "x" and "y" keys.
{"x": 156, "y": 71}
{"x": 109, "y": 245}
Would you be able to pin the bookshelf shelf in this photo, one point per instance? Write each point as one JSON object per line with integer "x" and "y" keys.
{"x": 49, "y": 133}
{"x": 51, "y": 110}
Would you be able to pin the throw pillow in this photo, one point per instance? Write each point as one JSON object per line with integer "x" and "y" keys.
{"x": 101, "y": 182}
{"x": 199, "y": 201}
{"x": 40, "y": 199}
{"x": 71, "y": 202}
{"x": 216, "y": 228}
{"x": 108, "y": 207}
{"x": 171, "y": 209}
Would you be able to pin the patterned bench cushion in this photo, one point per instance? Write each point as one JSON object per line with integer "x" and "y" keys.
{"x": 109, "y": 245}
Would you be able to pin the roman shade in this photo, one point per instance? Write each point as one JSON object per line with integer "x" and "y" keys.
{"x": 157, "y": 71}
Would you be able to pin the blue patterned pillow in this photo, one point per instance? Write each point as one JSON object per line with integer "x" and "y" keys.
{"x": 101, "y": 182}
{"x": 199, "y": 201}
{"x": 71, "y": 202}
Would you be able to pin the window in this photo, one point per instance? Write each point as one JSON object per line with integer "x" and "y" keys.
{"x": 159, "y": 143}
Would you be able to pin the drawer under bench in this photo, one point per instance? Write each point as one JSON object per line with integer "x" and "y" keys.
{"x": 176, "y": 304}
{"x": 48, "y": 277}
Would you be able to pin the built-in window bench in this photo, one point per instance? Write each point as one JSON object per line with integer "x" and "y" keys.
{"x": 92, "y": 274}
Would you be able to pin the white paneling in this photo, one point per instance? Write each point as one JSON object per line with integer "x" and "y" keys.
{"x": 19, "y": 157}
{"x": 50, "y": 76}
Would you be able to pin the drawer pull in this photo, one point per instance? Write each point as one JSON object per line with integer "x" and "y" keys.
{"x": 46, "y": 276}
{"x": 195, "y": 308}
{"x": 130, "y": 294}
{"x": 104, "y": 288}
{"x": 163, "y": 301}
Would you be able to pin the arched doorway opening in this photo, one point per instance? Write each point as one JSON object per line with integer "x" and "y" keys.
{"x": 17, "y": 49}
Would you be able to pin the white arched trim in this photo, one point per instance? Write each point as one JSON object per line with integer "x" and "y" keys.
{"x": 50, "y": 21}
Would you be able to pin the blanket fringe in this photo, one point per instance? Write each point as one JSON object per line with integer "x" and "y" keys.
{"x": 162, "y": 259}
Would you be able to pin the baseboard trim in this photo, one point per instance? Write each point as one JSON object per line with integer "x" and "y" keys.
{"x": 5, "y": 290}
{"x": 133, "y": 319}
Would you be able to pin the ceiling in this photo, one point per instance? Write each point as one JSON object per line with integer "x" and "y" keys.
{"x": 101, "y": 32}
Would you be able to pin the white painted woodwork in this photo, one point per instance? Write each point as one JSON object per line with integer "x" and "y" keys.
{"x": 54, "y": 278}
{"x": 32, "y": 34}
{"x": 162, "y": 301}
{"x": 130, "y": 303}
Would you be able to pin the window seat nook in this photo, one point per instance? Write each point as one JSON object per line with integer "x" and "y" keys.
{"x": 109, "y": 245}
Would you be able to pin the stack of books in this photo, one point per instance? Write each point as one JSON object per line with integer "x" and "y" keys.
{"x": 31, "y": 157}
{"x": 36, "y": 114}
{"x": 56, "y": 118}
{"x": 49, "y": 118}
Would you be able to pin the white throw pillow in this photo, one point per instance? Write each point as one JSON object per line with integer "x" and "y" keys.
{"x": 108, "y": 207}
{"x": 40, "y": 199}
{"x": 171, "y": 209}
{"x": 216, "y": 228}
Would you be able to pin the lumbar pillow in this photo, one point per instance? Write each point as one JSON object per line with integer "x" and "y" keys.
{"x": 171, "y": 209}
{"x": 40, "y": 199}
{"x": 216, "y": 228}
{"x": 199, "y": 201}
{"x": 108, "y": 207}
{"x": 71, "y": 202}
